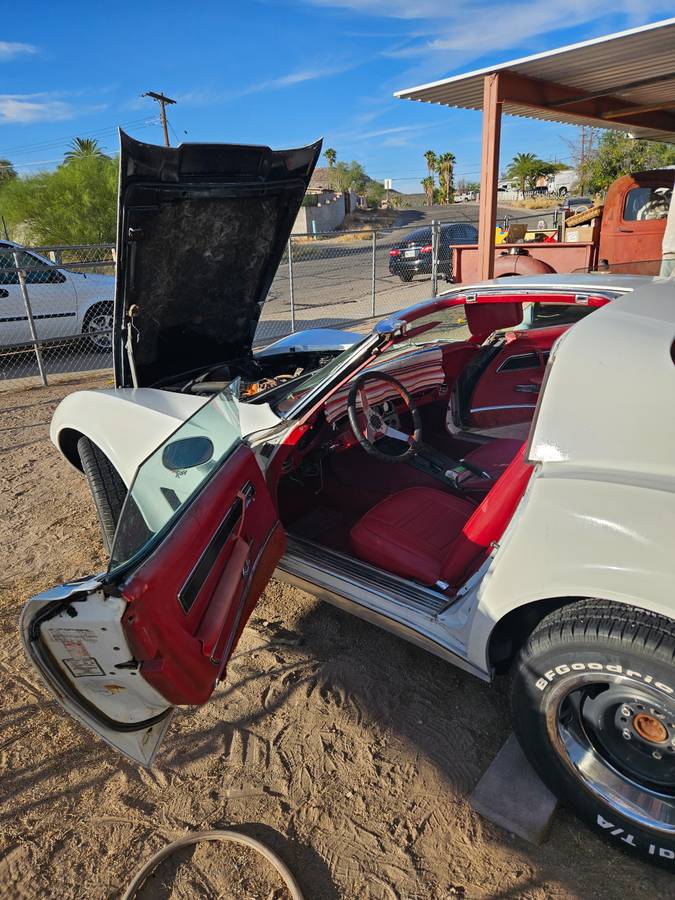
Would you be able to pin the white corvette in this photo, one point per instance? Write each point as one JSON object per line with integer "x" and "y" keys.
{"x": 505, "y": 500}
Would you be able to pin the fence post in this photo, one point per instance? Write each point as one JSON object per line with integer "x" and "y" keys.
{"x": 29, "y": 315}
{"x": 434, "y": 257}
{"x": 373, "y": 274}
{"x": 290, "y": 280}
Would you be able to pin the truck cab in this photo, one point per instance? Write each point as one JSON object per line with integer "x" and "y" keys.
{"x": 634, "y": 217}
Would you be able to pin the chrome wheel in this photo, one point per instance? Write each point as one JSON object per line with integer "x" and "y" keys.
{"x": 98, "y": 328}
{"x": 618, "y": 739}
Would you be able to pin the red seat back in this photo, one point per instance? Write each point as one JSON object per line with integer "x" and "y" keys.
{"x": 487, "y": 522}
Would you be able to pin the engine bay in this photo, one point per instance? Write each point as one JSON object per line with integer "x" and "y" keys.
{"x": 257, "y": 375}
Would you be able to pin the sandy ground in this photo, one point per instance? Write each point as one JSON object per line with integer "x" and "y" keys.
{"x": 352, "y": 753}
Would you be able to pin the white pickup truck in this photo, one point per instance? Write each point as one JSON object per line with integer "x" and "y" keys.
{"x": 561, "y": 184}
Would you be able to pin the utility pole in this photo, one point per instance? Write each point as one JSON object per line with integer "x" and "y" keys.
{"x": 163, "y": 103}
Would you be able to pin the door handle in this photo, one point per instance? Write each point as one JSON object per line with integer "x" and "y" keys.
{"x": 527, "y": 388}
{"x": 625, "y": 230}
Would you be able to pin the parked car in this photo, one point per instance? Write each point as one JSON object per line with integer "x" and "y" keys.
{"x": 413, "y": 254}
{"x": 503, "y": 498}
{"x": 573, "y": 205}
{"x": 63, "y": 302}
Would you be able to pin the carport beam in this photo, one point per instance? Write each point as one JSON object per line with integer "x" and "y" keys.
{"x": 489, "y": 176}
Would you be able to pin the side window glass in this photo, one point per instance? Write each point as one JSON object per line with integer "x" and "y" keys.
{"x": 37, "y": 270}
{"x": 647, "y": 203}
{"x": 7, "y": 273}
{"x": 173, "y": 473}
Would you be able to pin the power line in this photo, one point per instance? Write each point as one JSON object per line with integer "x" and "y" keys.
{"x": 59, "y": 142}
{"x": 45, "y": 162}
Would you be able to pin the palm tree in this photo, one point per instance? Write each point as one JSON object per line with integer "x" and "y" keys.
{"x": 330, "y": 156}
{"x": 445, "y": 164}
{"x": 428, "y": 185}
{"x": 82, "y": 148}
{"x": 430, "y": 157}
{"x": 523, "y": 168}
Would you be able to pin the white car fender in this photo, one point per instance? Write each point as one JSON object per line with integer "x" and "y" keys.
{"x": 581, "y": 534}
{"x": 127, "y": 424}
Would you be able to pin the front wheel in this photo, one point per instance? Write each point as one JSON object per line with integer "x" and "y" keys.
{"x": 593, "y": 702}
{"x": 108, "y": 491}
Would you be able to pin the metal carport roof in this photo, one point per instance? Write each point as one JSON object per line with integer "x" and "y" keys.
{"x": 621, "y": 81}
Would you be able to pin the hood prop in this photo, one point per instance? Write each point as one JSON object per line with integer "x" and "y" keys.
{"x": 129, "y": 344}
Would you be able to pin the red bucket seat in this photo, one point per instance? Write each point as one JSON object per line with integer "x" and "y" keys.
{"x": 432, "y": 536}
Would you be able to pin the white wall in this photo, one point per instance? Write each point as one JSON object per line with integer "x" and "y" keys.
{"x": 324, "y": 217}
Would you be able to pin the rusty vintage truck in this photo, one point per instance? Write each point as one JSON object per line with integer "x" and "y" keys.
{"x": 626, "y": 233}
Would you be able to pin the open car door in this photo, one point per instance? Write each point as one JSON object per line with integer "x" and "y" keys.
{"x": 197, "y": 541}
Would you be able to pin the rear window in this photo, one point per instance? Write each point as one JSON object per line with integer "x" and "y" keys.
{"x": 647, "y": 203}
{"x": 419, "y": 236}
{"x": 460, "y": 233}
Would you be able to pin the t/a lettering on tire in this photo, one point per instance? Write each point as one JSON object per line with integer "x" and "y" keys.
{"x": 593, "y": 700}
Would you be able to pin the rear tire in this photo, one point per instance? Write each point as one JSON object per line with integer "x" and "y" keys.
{"x": 593, "y": 701}
{"x": 99, "y": 319}
{"x": 406, "y": 276}
{"x": 107, "y": 488}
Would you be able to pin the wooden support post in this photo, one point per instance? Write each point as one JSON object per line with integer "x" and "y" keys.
{"x": 489, "y": 176}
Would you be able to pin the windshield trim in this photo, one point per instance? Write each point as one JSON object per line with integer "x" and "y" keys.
{"x": 370, "y": 343}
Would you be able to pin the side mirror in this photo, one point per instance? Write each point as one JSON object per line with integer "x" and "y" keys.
{"x": 186, "y": 453}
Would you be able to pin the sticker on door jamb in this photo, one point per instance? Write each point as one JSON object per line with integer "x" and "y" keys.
{"x": 83, "y": 666}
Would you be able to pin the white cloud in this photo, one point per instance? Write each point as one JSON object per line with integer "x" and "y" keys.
{"x": 24, "y": 109}
{"x": 449, "y": 34}
{"x": 207, "y": 97}
{"x": 10, "y": 49}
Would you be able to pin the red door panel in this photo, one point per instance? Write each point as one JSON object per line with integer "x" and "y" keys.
{"x": 507, "y": 391}
{"x": 189, "y": 601}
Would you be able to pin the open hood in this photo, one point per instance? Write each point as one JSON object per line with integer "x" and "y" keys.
{"x": 201, "y": 230}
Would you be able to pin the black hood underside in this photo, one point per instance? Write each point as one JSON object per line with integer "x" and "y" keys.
{"x": 202, "y": 229}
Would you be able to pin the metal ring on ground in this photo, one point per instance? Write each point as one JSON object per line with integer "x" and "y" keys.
{"x": 226, "y": 836}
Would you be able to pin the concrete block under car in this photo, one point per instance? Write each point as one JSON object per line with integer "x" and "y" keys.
{"x": 512, "y": 795}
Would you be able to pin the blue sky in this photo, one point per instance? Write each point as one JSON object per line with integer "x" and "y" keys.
{"x": 281, "y": 73}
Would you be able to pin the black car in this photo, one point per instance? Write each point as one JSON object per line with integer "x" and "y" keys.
{"x": 413, "y": 255}
{"x": 576, "y": 204}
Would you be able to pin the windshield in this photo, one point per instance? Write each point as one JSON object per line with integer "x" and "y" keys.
{"x": 283, "y": 399}
{"x": 175, "y": 472}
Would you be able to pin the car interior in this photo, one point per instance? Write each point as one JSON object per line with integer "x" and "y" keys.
{"x": 416, "y": 464}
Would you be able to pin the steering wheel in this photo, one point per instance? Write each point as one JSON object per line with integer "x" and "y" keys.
{"x": 376, "y": 425}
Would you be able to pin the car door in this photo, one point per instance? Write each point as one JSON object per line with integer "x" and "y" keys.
{"x": 13, "y": 320}
{"x": 197, "y": 541}
{"x": 51, "y": 295}
{"x": 506, "y": 392}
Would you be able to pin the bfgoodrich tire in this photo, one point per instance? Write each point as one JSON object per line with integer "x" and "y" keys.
{"x": 593, "y": 701}
{"x": 107, "y": 488}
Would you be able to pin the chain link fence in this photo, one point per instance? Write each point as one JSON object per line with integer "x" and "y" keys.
{"x": 56, "y": 303}
{"x": 56, "y": 307}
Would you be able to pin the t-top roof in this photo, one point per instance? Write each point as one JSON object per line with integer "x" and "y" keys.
{"x": 622, "y": 81}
